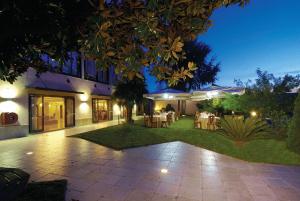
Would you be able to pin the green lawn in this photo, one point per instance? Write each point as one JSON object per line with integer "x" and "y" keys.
{"x": 127, "y": 136}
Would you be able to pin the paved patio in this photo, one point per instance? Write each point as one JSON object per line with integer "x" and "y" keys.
{"x": 164, "y": 172}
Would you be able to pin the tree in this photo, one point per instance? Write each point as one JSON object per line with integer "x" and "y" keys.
{"x": 269, "y": 93}
{"x": 126, "y": 34}
{"x": 231, "y": 102}
{"x": 130, "y": 92}
{"x": 211, "y": 105}
{"x": 207, "y": 69}
{"x": 294, "y": 128}
{"x": 29, "y": 29}
{"x": 129, "y": 34}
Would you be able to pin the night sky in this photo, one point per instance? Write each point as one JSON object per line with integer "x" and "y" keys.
{"x": 265, "y": 34}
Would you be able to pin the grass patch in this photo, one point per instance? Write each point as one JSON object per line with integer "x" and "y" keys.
{"x": 45, "y": 191}
{"x": 126, "y": 136}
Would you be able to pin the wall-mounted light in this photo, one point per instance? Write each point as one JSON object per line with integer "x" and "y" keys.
{"x": 84, "y": 97}
{"x": 84, "y": 107}
{"x": 167, "y": 96}
{"x": 8, "y": 92}
{"x": 8, "y": 106}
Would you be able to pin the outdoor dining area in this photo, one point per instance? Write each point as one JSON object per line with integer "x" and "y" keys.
{"x": 185, "y": 103}
{"x": 160, "y": 119}
{"x": 205, "y": 120}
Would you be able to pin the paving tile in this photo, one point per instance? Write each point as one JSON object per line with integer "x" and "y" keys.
{"x": 97, "y": 173}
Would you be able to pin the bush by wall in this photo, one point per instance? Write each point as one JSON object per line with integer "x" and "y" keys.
{"x": 294, "y": 128}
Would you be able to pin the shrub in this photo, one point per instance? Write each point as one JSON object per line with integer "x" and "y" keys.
{"x": 294, "y": 128}
{"x": 279, "y": 122}
{"x": 243, "y": 130}
{"x": 169, "y": 108}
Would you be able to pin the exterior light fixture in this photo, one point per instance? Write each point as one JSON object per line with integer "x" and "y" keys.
{"x": 211, "y": 94}
{"x": 165, "y": 96}
{"x": 8, "y": 106}
{"x": 84, "y": 97}
{"x": 164, "y": 171}
{"x": 253, "y": 114}
{"x": 8, "y": 93}
{"x": 29, "y": 153}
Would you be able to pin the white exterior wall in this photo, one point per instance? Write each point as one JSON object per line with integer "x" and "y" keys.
{"x": 19, "y": 94}
{"x": 191, "y": 107}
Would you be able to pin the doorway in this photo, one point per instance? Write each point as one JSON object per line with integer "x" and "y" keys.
{"x": 49, "y": 113}
{"x": 102, "y": 110}
{"x": 54, "y": 113}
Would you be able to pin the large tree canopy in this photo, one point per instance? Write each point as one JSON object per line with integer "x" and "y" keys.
{"x": 122, "y": 33}
{"x": 129, "y": 34}
{"x": 32, "y": 28}
{"x": 207, "y": 69}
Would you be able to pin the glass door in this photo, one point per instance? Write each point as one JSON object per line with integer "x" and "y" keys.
{"x": 54, "y": 113}
{"x": 70, "y": 111}
{"x": 36, "y": 113}
{"x": 100, "y": 110}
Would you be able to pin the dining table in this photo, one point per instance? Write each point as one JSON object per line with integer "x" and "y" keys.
{"x": 204, "y": 121}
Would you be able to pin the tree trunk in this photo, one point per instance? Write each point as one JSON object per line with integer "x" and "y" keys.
{"x": 129, "y": 113}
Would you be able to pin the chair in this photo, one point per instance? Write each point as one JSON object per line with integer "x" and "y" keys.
{"x": 177, "y": 115}
{"x": 211, "y": 123}
{"x": 169, "y": 118}
{"x": 197, "y": 122}
{"x": 147, "y": 121}
{"x": 155, "y": 122}
{"x": 164, "y": 121}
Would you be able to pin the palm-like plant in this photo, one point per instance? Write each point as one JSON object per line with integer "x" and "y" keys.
{"x": 130, "y": 92}
{"x": 243, "y": 130}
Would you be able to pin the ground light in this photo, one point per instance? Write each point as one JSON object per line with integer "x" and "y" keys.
{"x": 253, "y": 114}
{"x": 164, "y": 171}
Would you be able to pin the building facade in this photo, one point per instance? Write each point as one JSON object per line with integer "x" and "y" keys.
{"x": 74, "y": 93}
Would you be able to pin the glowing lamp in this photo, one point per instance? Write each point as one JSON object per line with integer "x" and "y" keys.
{"x": 84, "y": 97}
{"x": 164, "y": 171}
{"x": 8, "y": 93}
{"x": 211, "y": 94}
{"x": 84, "y": 107}
{"x": 165, "y": 96}
{"x": 253, "y": 114}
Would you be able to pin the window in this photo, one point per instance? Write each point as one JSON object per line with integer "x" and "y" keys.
{"x": 92, "y": 73}
{"x": 71, "y": 66}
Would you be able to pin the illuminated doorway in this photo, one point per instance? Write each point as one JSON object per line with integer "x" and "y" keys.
{"x": 50, "y": 113}
{"x": 54, "y": 113}
{"x": 102, "y": 110}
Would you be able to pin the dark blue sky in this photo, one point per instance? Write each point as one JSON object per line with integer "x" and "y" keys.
{"x": 265, "y": 34}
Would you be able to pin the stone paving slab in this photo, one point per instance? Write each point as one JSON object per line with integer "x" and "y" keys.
{"x": 168, "y": 172}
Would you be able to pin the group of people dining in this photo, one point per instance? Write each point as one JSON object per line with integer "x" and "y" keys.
{"x": 206, "y": 120}
{"x": 160, "y": 119}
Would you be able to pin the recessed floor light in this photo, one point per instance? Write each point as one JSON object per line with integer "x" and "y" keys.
{"x": 164, "y": 171}
{"x": 29, "y": 153}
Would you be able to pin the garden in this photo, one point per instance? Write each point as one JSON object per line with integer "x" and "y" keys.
{"x": 268, "y": 131}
